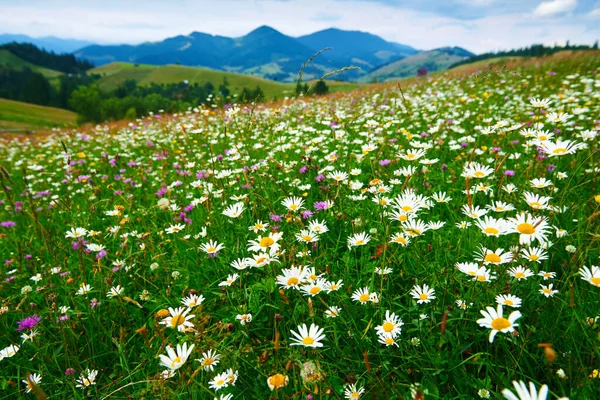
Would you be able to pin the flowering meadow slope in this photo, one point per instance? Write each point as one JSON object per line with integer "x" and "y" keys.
{"x": 439, "y": 241}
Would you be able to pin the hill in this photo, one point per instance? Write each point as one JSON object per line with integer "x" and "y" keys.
{"x": 264, "y": 52}
{"x": 9, "y": 60}
{"x": 433, "y": 60}
{"x": 115, "y": 74}
{"x": 49, "y": 43}
{"x": 25, "y": 116}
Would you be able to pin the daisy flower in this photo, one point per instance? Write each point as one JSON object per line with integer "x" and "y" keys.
{"x": 314, "y": 288}
{"x": 500, "y": 206}
{"x": 229, "y": 281}
{"x": 359, "y": 239}
{"x": 415, "y": 227}
{"x": 87, "y": 379}
{"x": 592, "y": 276}
{"x": 561, "y": 147}
{"x": 476, "y": 170}
{"x": 534, "y": 254}
{"x": 392, "y": 324}
{"x": 209, "y": 360}
{"x": 175, "y": 228}
{"x": 178, "y": 319}
{"x": 292, "y": 278}
{"x": 266, "y": 243}
{"x": 387, "y": 339}
{"x": 219, "y": 381}
{"x": 307, "y": 236}
{"x": 520, "y": 272}
{"x": 362, "y": 295}
{"x": 494, "y": 320}
{"x": 259, "y": 226}
{"x": 234, "y": 211}
{"x": 547, "y": 275}
{"x": 400, "y": 238}
{"x": 524, "y": 394}
{"x": 31, "y": 381}
{"x": 211, "y": 247}
{"x": 548, "y": 291}
{"x": 192, "y": 300}
{"x": 115, "y": 291}
{"x": 497, "y": 257}
{"x": 175, "y": 359}
{"x": 332, "y": 312}
{"x": 317, "y": 227}
{"x": 333, "y": 286}
{"x": 508, "y": 300}
{"x": 293, "y": 203}
{"x": 76, "y": 233}
{"x": 308, "y": 337}
{"x": 352, "y": 392}
{"x": 423, "y": 294}
{"x": 244, "y": 318}
{"x": 529, "y": 228}
{"x": 491, "y": 226}
{"x": 84, "y": 289}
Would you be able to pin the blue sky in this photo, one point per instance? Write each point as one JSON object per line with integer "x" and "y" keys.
{"x": 477, "y": 25}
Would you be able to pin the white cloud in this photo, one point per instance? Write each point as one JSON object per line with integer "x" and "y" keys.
{"x": 135, "y": 21}
{"x": 554, "y": 7}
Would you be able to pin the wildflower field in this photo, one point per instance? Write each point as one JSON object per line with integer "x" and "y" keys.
{"x": 435, "y": 241}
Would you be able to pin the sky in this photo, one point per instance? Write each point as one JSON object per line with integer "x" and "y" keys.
{"x": 477, "y": 25}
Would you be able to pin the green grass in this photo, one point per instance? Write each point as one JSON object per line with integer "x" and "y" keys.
{"x": 176, "y": 206}
{"x": 19, "y": 115}
{"x": 9, "y": 59}
{"x": 115, "y": 74}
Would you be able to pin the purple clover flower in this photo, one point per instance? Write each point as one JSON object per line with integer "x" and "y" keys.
{"x": 28, "y": 323}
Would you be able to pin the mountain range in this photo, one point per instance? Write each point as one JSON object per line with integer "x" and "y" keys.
{"x": 270, "y": 54}
{"x": 48, "y": 43}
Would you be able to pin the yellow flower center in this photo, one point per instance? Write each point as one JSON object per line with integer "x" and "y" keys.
{"x": 478, "y": 174}
{"x": 400, "y": 240}
{"x": 481, "y": 278}
{"x": 364, "y": 298}
{"x": 359, "y": 242}
{"x": 423, "y": 296}
{"x": 509, "y": 302}
{"x": 492, "y": 258}
{"x": 207, "y": 361}
{"x": 535, "y": 204}
{"x": 177, "y": 320}
{"x": 293, "y": 281}
{"x": 526, "y": 228}
{"x": 491, "y": 231}
{"x": 293, "y": 207}
{"x": 595, "y": 281}
{"x": 277, "y": 380}
{"x": 410, "y": 156}
{"x": 559, "y": 151}
{"x": 534, "y": 257}
{"x": 388, "y": 341}
{"x": 388, "y": 326}
{"x": 261, "y": 260}
{"x": 175, "y": 361}
{"x": 402, "y": 217}
{"x": 220, "y": 382}
{"x": 500, "y": 323}
{"x": 211, "y": 250}
{"x": 315, "y": 290}
{"x": 266, "y": 242}
{"x": 307, "y": 238}
{"x": 407, "y": 208}
{"x": 519, "y": 275}
{"x": 308, "y": 340}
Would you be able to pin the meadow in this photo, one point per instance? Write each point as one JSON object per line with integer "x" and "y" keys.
{"x": 437, "y": 240}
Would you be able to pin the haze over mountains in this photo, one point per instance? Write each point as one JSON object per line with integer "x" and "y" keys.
{"x": 269, "y": 53}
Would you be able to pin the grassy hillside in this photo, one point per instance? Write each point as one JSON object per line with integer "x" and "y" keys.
{"x": 10, "y": 60}
{"x": 18, "y": 115}
{"x": 116, "y": 73}
{"x": 434, "y": 60}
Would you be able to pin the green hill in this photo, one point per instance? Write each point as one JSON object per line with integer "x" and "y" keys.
{"x": 25, "y": 116}
{"x": 11, "y": 61}
{"x": 433, "y": 60}
{"x": 115, "y": 74}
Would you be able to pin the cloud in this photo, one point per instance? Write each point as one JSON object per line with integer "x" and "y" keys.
{"x": 554, "y": 7}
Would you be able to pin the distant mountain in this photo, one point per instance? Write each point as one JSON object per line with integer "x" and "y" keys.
{"x": 49, "y": 43}
{"x": 432, "y": 60}
{"x": 355, "y": 47}
{"x": 264, "y": 52}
